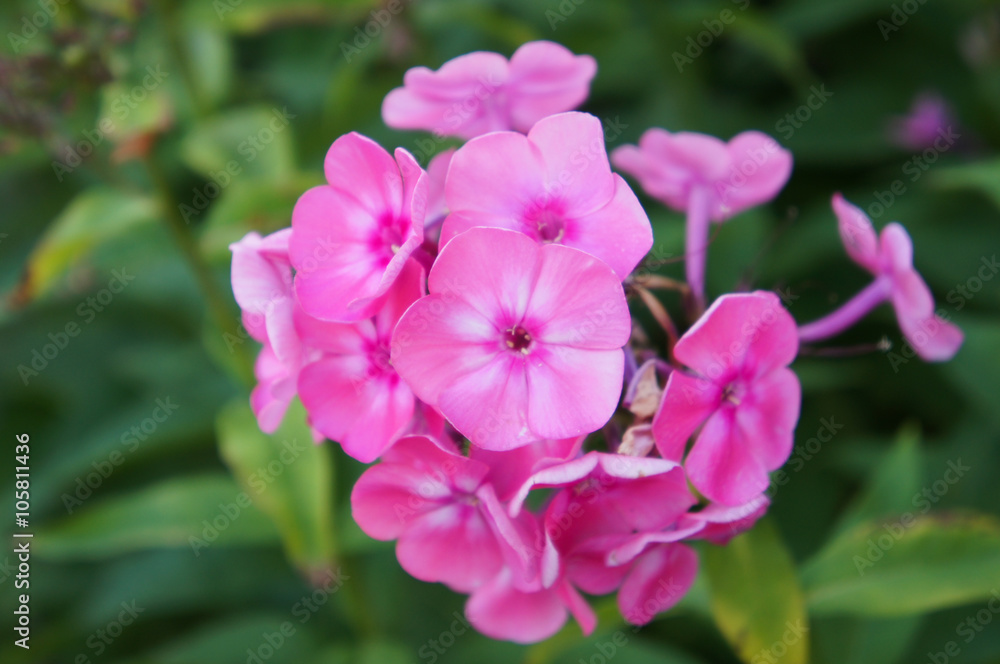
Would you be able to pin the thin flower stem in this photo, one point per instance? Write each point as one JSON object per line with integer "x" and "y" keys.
{"x": 850, "y": 313}
{"x": 696, "y": 246}
{"x": 218, "y": 306}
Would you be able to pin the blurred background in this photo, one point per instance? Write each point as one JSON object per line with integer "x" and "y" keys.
{"x": 138, "y": 139}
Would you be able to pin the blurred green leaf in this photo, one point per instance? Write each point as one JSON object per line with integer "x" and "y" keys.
{"x": 241, "y": 143}
{"x": 197, "y": 512}
{"x": 838, "y": 639}
{"x": 895, "y": 569}
{"x": 892, "y": 486}
{"x": 288, "y": 476}
{"x": 983, "y": 177}
{"x": 756, "y": 598}
{"x": 95, "y": 216}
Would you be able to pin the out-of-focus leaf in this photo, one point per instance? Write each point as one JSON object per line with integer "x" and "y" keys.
{"x": 975, "y": 368}
{"x": 838, "y": 639}
{"x": 891, "y": 487}
{"x": 251, "y": 205}
{"x": 209, "y": 47}
{"x": 771, "y": 40}
{"x": 288, "y": 476}
{"x": 243, "y": 143}
{"x": 199, "y": 511}
{"x": 921, "y": 563}
{"x": 93, "y": 217}
{"x": 983, "y": 176}
{"x": 756, "y": 597}
{"x": 253, "y": 16}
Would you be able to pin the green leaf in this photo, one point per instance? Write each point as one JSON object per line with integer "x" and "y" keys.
{"x": 240, "y": 144}
{"x": 983, "y": 176}
{"x": 756, "y": 597}
{"x": 288, "y": 476}
{"x": 891, "y": 487}
{"x": 187, "y": 511}
{"x": 839, "y": 639}
{"x": 92, "y": 218}
{"x": 920, "y": 563}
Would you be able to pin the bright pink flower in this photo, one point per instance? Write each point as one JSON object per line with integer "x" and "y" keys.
{"x": 480, "y": 92}
{"x": 351, "y": 238}
{"x": 606, "y": 499}
{"x": 740, "y": 390}
{"x": 450, "y": 525}
{"x": 890, "y": 259}
{"x": 437, "y": 208}
{"x": 262, "y": 285}
{"x": 707, "y": 178}
{"x": 517, "y": 341}
{"x": 554, "y": 185}
{"x": 350, "y": 390}
{"x": 510, "y": 469}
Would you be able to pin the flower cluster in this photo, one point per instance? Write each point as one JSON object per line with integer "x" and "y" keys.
{"x": 468, "y": 325}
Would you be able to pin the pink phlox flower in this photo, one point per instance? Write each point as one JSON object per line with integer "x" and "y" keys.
{"x": 480, "y": 92}
{"x": 739, "y": 391}
{"x": 928, "y": 120}
{"x": 554, "y": 185}
{"x": 516, "y": 341}
{"x": 890, "y": 258}
{"x": 350, "y": 389}
{"x": 450, "y": 526}
{"x": 351, "y": 237}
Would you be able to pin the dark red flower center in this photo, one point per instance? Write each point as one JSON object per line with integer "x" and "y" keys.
{"x": 517, "y": 340}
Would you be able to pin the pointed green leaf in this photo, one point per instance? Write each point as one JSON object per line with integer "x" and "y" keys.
{"x": 756, "y": 598}
{"x": 287, "y": 476}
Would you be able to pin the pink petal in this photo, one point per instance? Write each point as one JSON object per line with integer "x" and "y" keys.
{"x": 857, "y": 234}
{"x": 492, "y": 181}
{"x": 618, "y": 233}
{"x": 453, "y": 545}
{"x": 897, "y": 249}
{"x": 576, "y": 301}
{"x": 461, "y": 99}
{"x": 438, "y": 340}
{"x": 572, "y": 392}
{"x": 657, "y": 581}
{"x": 722, "y": 466}
{"x": 389, "y": 496}
{"x": 575, "y": 161}
{"x": 759, "y": 169}
{"x": 768, "y": 414}
{"x": 723, "y": 522}
{"x": 490, "y": 405}
{"x": 274, "y": 392}
{"x": 578, "y": 608}
{"x": 547, "y": 78}
{"x": 491, "y": 269}
{"x": 510, "y": 469}
{"x": 500, "y": 611}
{"x": 751, "y": 332}
{"x": 933, "y": 338}
{"x": 687, "y": 402}
{"x": 359, "y": 167}
{"x": 335, "y": 267}
{"x": 362, "y": 406}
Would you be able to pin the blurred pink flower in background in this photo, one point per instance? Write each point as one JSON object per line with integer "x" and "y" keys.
{"x": 929, "y": 118}
{"x": 707, "y": 178}
{"x": 480, "y": 92}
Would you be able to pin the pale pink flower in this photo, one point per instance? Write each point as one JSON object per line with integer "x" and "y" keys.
{"x": 517, "y": 341}
{"x": 739, "y": 391}
{"x": 262, "y": 285}
{"x": 554, "y": 185}
{"x": 450, "y": 525}
{"x": 350, "y": 390}
{"x": 890, "y": 259}
{"x": 707, "y": 178}
{"x": 480, "y": 92}
{"x": 351, "y": 237}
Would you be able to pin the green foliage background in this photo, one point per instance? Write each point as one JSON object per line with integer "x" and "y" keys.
{"x": 227, "y": 68}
